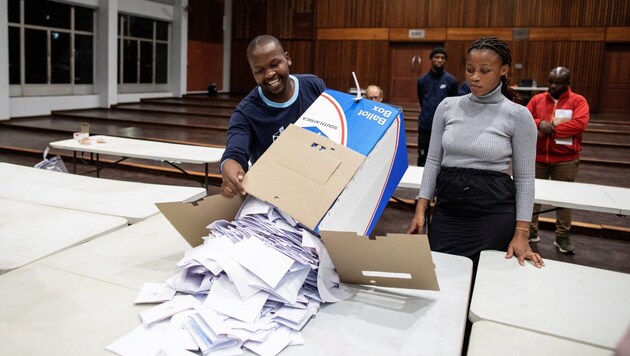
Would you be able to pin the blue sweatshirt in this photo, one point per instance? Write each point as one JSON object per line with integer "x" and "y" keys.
{"x": 432, "y": 89}
{"x": 257, "y": 121}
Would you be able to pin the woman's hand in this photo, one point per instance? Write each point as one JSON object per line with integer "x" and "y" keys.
{"x": 415, "y": 227}
{"x": 519, "y": 247}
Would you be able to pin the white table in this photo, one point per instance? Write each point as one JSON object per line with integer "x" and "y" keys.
{"x": 129, "y": 257}
{"x": 29, "y": 232}
{"x": 488, "y": 338}
{"x": 582, "y": 196}
{"x": 583, "y": 304}
{"x": 130, "y": 200}
{"x": 172, "y": 153}
{"x": 375, "y": 321}
{"x": 388, "y": 321}
{"x": 621, "y": 196}
{"x": 574, "y": 195}
{"x": 46, "y": 311}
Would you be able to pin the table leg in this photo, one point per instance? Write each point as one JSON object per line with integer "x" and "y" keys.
{"x": 206, "y": 178}
{"x": 74, "y": 162}
{"x": 98, "y": 166}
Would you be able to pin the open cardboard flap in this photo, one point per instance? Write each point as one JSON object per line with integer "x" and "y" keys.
{"x": 302, "y": 173}
{"x": 191, "y": 219}
{"x": 395, "y": 260}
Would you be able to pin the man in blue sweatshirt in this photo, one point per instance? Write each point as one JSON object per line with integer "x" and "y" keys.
{"x": 279, "y": 100}
{"x": 432, "y": 88}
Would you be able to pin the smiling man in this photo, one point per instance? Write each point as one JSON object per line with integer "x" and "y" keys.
{"x": 561, "y": 117}
{"x": 278, "y": 100}
{"x": 432, "y": 88}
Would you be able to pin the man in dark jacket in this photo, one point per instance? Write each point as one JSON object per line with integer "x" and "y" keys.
{"x": 432, "y": 87}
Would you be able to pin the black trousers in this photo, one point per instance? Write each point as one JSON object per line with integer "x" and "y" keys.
{"x": 475, "y": 210}
{"x": 424, "y": 138}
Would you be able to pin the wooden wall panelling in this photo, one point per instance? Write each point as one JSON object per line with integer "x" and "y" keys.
{"x": 350, "y": 34}
{"x": 582, "y": 58}
{"x": 241, "y": 79}
{"x": 618, "y": 13}
{"x": 332, "y": 13}
{"x": 615, "y": 83}
{"x": 370, "y": 13}
{"x": 473, "y": 33}
{"x": 372, "y": 64}
{"x": 480, "y": 13}
{"x": 249, "y": 19}
{"x": 205, "y": 20}
{"x": 617, "y": 34}
{"x": 567, "y": 34}
{"x": 408, "y": 13}
{"x": 352, "y": 13}
{"x": 574, "y": 13}
{"x": 336, "y": 60}
{"x": 456, "y": 63}
{"x": 292, "y": 19}
{"x": 302, "y": 55}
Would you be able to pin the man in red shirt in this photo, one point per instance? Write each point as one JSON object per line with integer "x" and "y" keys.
{"x": 561, "y": 117}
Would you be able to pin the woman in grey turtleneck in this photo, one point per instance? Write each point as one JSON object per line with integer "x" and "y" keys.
{"x": 474, "y": 139}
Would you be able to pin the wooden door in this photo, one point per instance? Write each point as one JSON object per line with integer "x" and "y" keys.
{"x": 409, "y": 62}
{"x": 615, "y": 83}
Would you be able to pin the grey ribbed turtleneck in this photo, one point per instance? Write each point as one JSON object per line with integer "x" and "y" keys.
{"x": 484, "y": 132}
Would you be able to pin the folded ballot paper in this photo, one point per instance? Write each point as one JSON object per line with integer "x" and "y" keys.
{"x": 252, "y": 284}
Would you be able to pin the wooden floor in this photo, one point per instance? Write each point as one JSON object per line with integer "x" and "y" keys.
{"x": 601, "y": 240}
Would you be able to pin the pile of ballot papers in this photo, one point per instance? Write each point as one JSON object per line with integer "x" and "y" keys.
{"x": 253, "y": 284}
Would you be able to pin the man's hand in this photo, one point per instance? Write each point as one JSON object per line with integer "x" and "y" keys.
{"x": 546, "y": 128}
{"x": 233, "y": 175}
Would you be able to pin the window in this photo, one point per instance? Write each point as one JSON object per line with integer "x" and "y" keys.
{"x": 51, "y": 48}
{"x": 143, "y": 54}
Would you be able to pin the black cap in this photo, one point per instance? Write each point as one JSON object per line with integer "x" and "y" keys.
{"x": 437, "y": 50}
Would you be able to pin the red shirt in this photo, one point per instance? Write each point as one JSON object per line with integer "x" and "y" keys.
{"x": 543, "y": 107}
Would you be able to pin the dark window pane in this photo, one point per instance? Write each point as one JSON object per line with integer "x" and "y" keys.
{"x": 161, "y": 30}
{"x": 14, "y": 11}
{"x": 130, "y": 62}
{"x": 140, "y": 27}
{"x": 83, "y": 52}
{"x": 14, "y": 55}
{"x": 83, "y": 19}
{"x": 59, "y": 57}
{"x": 146, "y": 62}
{"x": 35, "y": 55}
{"x": 47, "y": 13}
{"x": 161, "y": 63}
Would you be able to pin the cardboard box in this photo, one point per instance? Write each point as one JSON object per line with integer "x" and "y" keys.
{"x": 402, "y": 261}
{"x": 333, "y": 171}
{"x": 336, "y": 120}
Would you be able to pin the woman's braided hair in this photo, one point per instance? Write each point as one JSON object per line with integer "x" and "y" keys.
{"x": 501, "y": 48}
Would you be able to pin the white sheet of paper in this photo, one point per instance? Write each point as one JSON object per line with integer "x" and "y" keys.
{"x": 147, "y": 341}
{"x": 564, "y": 140}
{"x": 274, "y": 344}
{"x": 254, "y": 254}
{"x": 168, "y": 309}
{"x": 224, "y": 298}
{"x": 239, "y": 275}
{"x": 155, "y": 293}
